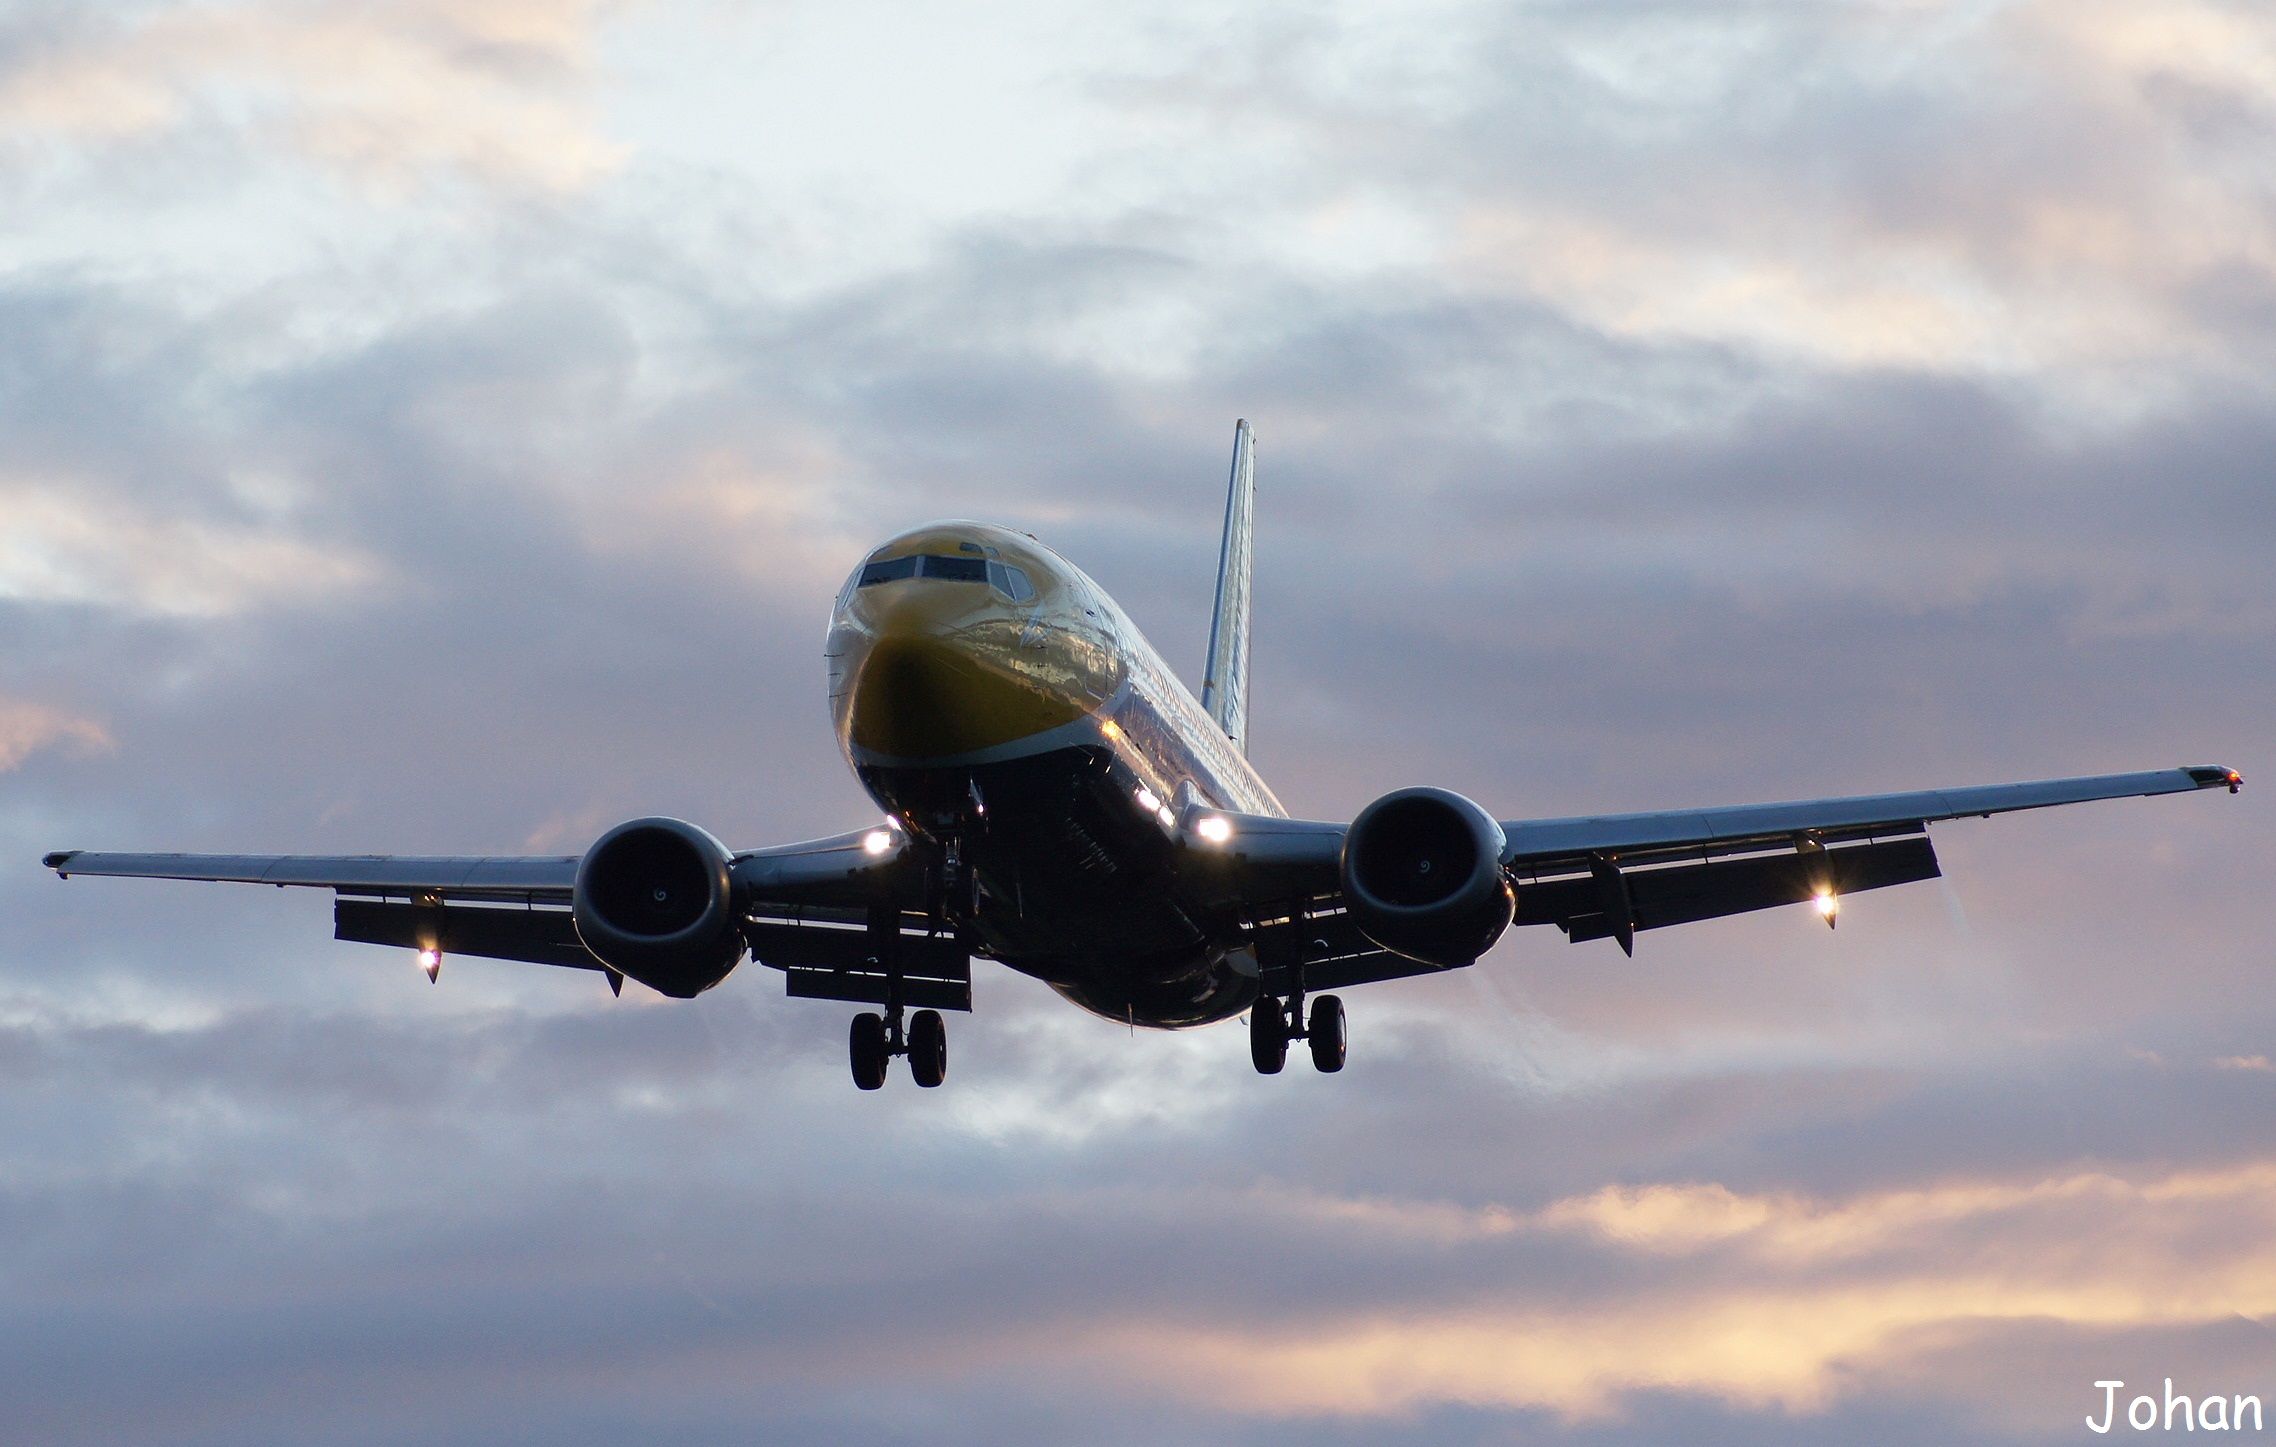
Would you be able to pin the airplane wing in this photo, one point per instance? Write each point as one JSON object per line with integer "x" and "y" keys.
{"x": 1609, "y": 876}
{"x": 1536, "y": 844}
{"x": 544, "y": 878}
{"x": 802, "y": 905}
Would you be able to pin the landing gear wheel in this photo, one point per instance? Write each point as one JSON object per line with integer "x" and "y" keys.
{"x": 928, "y": 1048}
{"x": 1268, "y": 1035}
{"x": 1326, "y": 1035}
{"x": 865, "y": 1043}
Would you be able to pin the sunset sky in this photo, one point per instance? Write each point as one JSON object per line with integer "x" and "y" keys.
{"x": 440, "y": 426}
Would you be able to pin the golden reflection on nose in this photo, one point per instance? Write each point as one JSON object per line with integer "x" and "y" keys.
{"x": 942, "y": 673}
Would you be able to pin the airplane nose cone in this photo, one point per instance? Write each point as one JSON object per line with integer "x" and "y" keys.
{"x": 942, "y": 674}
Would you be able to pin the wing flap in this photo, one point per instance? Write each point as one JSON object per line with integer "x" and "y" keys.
{"x": 821, "y": 962}
{"x": 538, "y": 936}
{"x": 1685, "y": 893}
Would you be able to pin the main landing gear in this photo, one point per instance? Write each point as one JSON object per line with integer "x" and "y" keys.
{"x": 1272, "y": 1025}
{"x": 875, "y": 1039}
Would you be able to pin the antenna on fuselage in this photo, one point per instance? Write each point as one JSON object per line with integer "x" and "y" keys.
{"x": 1225, "y": 683}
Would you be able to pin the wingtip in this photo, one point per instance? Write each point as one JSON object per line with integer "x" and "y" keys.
{"x": 58, "y": 859}
{"x": 2215, "y": 776}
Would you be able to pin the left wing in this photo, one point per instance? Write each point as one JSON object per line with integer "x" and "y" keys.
{"x": 1608, "y": 876}
{"x": 1553, "y": 844}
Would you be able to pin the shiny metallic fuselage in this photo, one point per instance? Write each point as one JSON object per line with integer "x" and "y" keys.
{"x": 1021, "y": 739}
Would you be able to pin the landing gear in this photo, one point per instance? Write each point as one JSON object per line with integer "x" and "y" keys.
{"x": 867, "y": 1044}
{"x": 879, "y": 1036}
{"x": 928, "y": 1048}
{"x": 1325, "y": 1035}
{"x": 875, "y": 1039}
{"x": 1273, "y": 1024}
{"x": 1268, "y": 1035}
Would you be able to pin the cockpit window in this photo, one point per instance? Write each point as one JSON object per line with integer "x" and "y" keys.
{"x": 1010, "y": 582}
{"x": 888, "y": 570}
{"x": 959, "y": 570}
{"x": 1005, "y": 579}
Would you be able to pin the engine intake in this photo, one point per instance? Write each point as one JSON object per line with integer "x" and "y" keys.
{"x": 654, "y": 902}
{"x": 1422, "y": 876}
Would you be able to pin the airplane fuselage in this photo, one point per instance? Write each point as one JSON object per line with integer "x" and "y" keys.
{"x": 998, "y": 705}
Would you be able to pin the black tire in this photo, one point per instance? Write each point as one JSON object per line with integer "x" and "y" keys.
{"x": 928, "y": 1048}
{"x": 1268, "y": 1036}
{"x": 1326, "y": 1036}
{"x": 865, "y": 1043}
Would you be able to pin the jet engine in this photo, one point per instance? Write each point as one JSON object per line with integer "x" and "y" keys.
{"x": 654, "y": 903}
{"x": 1422, "y": 876}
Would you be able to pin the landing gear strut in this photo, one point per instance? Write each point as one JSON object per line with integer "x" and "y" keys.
{"x": 876, "y": 1038}
{"x": 1272, "y": 1025}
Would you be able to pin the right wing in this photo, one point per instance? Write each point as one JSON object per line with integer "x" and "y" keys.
{"x": 797, "y": 900}
{"x": 523, "y": 879}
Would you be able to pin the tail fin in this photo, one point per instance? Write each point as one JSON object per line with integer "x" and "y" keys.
{"x": 1225, "y": 687}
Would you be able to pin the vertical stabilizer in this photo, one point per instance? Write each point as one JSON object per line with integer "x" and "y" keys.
{"x": 1225, "y": 687}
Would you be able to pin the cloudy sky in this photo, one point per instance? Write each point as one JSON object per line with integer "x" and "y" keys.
{"x": 439, "y": 425}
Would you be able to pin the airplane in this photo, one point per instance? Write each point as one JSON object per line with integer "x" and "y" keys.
{"x": 1056, "y": 800}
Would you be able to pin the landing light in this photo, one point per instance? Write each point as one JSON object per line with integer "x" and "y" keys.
{"x": 1216, "y": 828}
{"x": 431, "y": 960}
{"x": 1829, "y": 906}
{"x": 1147, "y": 800}
{"x": 877, "y": 841}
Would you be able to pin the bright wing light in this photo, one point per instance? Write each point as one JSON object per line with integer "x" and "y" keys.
{"x": 431, "y": 960}
{"x": 877, "y": 841}
{"x": 1829, "y": 905}
{"x": 1215, "y": 828}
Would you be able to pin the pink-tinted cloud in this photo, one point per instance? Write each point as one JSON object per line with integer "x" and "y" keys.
{"x": 387, "y": 93}
{"x": 27, "y": 728}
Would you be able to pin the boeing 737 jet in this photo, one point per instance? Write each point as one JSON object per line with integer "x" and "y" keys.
{"x": 1055, "y": 800}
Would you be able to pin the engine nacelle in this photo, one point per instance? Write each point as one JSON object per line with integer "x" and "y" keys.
{"x": 1422, "y": 876}
{"x": 653, "y": 901}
